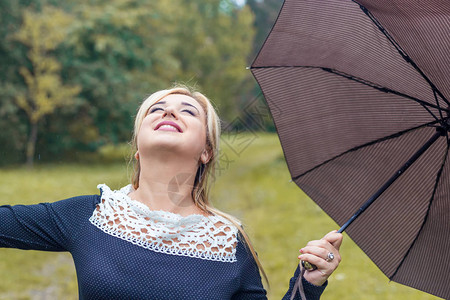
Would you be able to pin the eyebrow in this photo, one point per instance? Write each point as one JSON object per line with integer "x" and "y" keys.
{"x": 188, "y": 104}
{"x": 184, "y": 103}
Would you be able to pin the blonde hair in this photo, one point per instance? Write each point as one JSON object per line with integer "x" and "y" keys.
{"x": 205, "y": 171}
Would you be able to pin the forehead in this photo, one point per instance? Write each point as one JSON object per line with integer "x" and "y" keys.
{"x": 180, "y": 99}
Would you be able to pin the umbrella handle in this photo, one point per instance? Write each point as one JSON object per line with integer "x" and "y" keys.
{"x": 308, "y": 266}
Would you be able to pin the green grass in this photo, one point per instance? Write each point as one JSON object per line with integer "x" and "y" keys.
{"x": 47, "y": 275}
{"x": 253, "y": 184}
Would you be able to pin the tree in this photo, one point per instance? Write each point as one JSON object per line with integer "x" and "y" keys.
{"x": 117, "y": 51}
{"x": 122, "y": 50}
{"x": 42, "y": 32}
{"x": 213, "y": 43}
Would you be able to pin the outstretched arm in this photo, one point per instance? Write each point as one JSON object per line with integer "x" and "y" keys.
{"x": 45, "y": 226}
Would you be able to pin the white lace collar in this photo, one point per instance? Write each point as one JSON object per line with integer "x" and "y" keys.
{"x": 211, "y": 238}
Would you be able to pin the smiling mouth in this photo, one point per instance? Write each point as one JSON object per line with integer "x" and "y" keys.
{"x": 168, "y": 126}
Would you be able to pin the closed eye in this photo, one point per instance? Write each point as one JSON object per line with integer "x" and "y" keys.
{"x": 189, "y": 112}
{"x": 155, "y": 109}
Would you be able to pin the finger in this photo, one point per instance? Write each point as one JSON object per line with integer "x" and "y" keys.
{"x": 317, "y": 251}
{"x": 319, "y": 243}
{"x": 334, "y": 238}
{"x": 323, "y": 266}
{"x": 322, "y": 244}
{"x": 322, "y": 252}
{"x": 313, "y": 259}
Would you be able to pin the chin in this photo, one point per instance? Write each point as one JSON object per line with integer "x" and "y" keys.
{"x": 183, "y": 145}
{"x": 168, "y": 147}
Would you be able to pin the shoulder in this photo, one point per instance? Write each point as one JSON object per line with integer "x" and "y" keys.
{"x": 76, "y": 204}
{"x": 74, "y": 210}
{"x": 89, "y": 201}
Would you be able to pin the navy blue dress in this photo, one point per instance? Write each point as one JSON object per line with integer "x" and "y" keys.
{"x": 114, "y": 266}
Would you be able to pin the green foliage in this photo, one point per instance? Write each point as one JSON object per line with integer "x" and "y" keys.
{"x": 42, "y": 32}
{"x": 13, "y": 122}
{"x": 108, "y": 153}
{"x": 124, "y": 50}
{"x": 117, "y": 52}
{"x": 253, "y": 185}
{"x": 15, "y": 136}
{"x": 213, "y": 47}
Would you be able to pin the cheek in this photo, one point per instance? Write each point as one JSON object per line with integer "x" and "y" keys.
{"x": 201, "y": 131}
{"x": 148, "y": 120}
{"x": 145, "y": 128}
{"x": 147, "y": 123}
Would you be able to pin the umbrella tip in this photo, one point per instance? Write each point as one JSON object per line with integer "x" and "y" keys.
{"x": 247, "y": 68}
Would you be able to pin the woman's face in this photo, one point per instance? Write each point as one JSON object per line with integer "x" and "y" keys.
{"x": 176, "y": 123}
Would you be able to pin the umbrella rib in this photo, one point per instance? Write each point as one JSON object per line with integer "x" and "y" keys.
{"x": 437, "y": 103}
{"x": 386, "y": 90}
{"x": 431, "y": 113}
{"x": 397, "y": 134}
{"x": 402, "y": 52}
{"x": 438, "y": 177}
{"x": 365, "y": 82}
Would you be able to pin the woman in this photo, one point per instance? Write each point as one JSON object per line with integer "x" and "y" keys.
{"x": 159, "y": 237}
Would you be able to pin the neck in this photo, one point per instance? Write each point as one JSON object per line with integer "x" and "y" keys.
{"x": 165, "y": 183}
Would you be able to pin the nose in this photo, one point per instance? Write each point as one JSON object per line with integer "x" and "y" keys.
{"x": 170, "y": 112}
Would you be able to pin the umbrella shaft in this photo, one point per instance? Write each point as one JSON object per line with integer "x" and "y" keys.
{"x": 439, "y": 132}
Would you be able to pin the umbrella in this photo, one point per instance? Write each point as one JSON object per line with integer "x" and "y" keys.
{"x": 361, "y": 90}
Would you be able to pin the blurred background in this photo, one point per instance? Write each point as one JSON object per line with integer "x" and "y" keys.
{"x": 74, "y": 72}
{"x": 72, "y": 76}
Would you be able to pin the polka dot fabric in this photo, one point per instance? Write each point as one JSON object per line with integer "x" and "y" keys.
{"x": 112, "y": 268}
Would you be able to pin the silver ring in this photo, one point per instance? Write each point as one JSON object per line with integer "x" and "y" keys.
{"x": 330, "y": 256}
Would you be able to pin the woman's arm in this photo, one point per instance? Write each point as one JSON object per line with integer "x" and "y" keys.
{"x": 312, "y": 292}
{"x": 251, "y": 287}
{"x": 45, "y": 226}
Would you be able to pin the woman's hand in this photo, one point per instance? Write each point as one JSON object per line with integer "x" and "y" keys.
{"x": 324, "y": 254}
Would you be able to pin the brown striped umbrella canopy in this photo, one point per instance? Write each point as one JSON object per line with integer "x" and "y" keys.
{"x": 356, "y": 88}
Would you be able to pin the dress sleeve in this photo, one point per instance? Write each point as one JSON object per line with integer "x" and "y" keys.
{"x": 312, "y": 292}
{"x": 45, "y": 226}
{"x": 251, "y": 287}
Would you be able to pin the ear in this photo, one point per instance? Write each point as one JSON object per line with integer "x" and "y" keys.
{"x": 136, "y": 155}
{"x": 205, "y": 156}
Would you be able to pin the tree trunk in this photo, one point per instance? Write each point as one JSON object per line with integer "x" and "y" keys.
{"x": 31, "y": 144}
